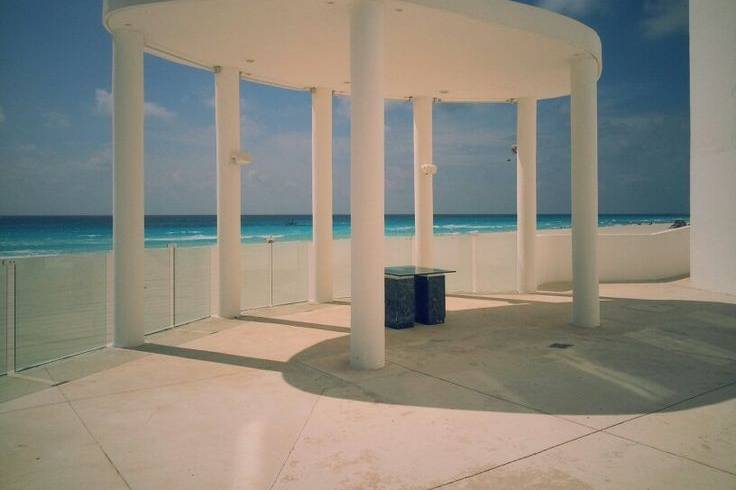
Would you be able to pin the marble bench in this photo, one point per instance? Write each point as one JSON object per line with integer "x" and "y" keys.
{"x": 414, "y": 294}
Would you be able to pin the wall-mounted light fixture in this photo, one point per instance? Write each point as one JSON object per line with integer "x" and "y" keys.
{"x": 429, "y": 169}
{"x": 240, "y": 158}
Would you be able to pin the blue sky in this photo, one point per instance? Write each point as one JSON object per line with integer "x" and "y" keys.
{"x": 55, "y": 127}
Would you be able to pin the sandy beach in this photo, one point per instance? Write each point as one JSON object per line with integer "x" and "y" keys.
{"x": 617, "y": 230}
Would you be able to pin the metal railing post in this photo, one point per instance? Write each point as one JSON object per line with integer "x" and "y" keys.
{"x": 9, "y": 315}
{"x": 209, "y": 274}
{"x": 109, "y": 299}
{"x": 172, "y": 283}
{"x": 269, "y": 241}
{"x": 474, "y": 261}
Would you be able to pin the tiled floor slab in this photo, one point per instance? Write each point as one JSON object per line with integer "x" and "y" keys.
{"x": 145, "y": 373}
{"x": 703, "y": 429}
{"x": 233, "y": 431}
{"x": 412, "y": 431}
{"x": 249, "y": 402}
{"x": 48, "y": 395}
{"x": 265, "y": 340}
{"x": 48, "y": 447}
{"x": 92, "y": 362}
{"x": 599, "y": 461}
{"x": 12, "y": 387}
{"x": 607, "y": 375}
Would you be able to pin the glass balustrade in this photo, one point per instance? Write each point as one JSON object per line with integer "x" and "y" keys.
{"x": 60, "y": 307}
{"x": 63, "y": 304}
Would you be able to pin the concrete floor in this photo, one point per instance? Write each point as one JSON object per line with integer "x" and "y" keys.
{"x": 268, "y": 401}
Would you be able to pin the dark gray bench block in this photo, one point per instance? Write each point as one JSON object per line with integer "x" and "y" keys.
{"x": 429, "y": 292}
{"x": 399, "y": 302}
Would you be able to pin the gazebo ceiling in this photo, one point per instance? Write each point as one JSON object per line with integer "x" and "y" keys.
{"x": 457, "y": 50}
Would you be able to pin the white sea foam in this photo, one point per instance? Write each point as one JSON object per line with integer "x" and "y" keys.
{"x": 182, "y": 238}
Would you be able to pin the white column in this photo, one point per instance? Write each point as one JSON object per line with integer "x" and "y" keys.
{"x": 584, "y": 125}
{"x": 423, "y": 199}
{"x": 128, "y": 181}
{"x": 526, "y": 194}
{"x": 227, "y": 120}
{"x": 367, "y": 341}
{"x": 713, "y": 145}
{"x": 320, "y": 267}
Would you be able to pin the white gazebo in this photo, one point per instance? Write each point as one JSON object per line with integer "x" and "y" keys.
{"x": 423, "y": 50}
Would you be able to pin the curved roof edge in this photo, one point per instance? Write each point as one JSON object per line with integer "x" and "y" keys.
{"x": 521, "y": 16}
{"x": 508, "y": 13}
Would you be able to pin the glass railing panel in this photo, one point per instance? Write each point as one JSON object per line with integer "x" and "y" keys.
{"x": 157, "y": 290}
{"x": 255, "y": 266}
{"x": 290, "y": 272}
{"x": 60, "y": 307}
{"x": 191, "y": 284}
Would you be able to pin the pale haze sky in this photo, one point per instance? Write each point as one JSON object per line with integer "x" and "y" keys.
{"x": 55, "y": 125}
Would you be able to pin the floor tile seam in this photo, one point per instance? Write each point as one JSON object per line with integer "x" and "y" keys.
{"x": 52, "y": 381}
{"x": 351, "y": 382}
{"x": 500, "y": 398}
{"x": 31, "y": 379}
{"x": 565, "y": 417}
{"x": 31, "y": 407}
{"x": 671, "y": 453}
{"x": 63, "y": 382}
{"x": 179, "y": 383}
{"x": 96, "y": 442}
{"x": 680, "y": 351}
{"x": 321, "y": 371}
{"x": 707, "y": 356}
{"x": 148, "y": 388}
{"x": 646, "y": 414}
{"x": 317, "y": 398}
{"x": 671, "y": 405}
{"x": 330, "y": 375}
{"x": 558, "y": 416}
{"x": 516, "y": 460}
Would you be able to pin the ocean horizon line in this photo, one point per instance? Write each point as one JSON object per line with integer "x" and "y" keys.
{"x": 24, "y": 235}
{"x": 334, "y": 214}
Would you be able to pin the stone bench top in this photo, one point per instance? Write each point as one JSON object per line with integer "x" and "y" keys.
{"x": 411, "y": 270}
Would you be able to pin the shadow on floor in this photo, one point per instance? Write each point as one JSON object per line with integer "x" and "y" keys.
{"x": 213, "y": 356}
{"x": 293, "y": 323}
{"x": 648, "y": 355}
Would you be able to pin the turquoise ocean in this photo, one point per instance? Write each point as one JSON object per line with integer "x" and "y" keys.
{"x": 54, "y": 235}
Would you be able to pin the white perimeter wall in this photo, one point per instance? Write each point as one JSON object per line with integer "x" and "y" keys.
{"x": 487, "y": 262}
{"x": 621, "y": 258}
{"x": 484, "y": 263}
{"x": 713, "y": 144}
